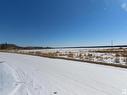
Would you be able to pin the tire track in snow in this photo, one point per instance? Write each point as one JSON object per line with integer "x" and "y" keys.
{"x": 9, "y": 71}
{"x": 19, "y": 81}
{"x": 25, "y": 82}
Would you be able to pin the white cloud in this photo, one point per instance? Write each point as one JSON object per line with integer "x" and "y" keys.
{"x": 124, "y": 6}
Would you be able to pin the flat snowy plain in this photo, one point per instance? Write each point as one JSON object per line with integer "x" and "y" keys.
{"x": 31, "y": 75}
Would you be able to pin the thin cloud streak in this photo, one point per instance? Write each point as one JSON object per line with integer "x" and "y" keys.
{"x": 124, "y": 6}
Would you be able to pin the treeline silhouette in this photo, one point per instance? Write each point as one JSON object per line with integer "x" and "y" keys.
{"x": 9, "y": 46}
{"x": 6, "y": 46}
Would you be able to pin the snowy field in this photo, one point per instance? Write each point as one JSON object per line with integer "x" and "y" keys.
{"x": 87, "y": 54}
{"x": 61, "y": 50}
{"x": 31, "y": 75}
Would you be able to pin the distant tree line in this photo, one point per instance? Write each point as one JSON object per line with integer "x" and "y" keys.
{"x": 6, "y": 46}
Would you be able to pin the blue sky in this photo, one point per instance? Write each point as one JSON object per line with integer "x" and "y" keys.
{"x": 63, "y": 22}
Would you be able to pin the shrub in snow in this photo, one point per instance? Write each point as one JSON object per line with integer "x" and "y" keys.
{"x": 89, "y": 57}
{"x": 38, "y": 53}
{"x": 52, "y": 54}
{"x": 70, "y": 55}
{"x": 125, "y": 60}
{"x": 117, "y": 58}
{"x": 57, "y": 53}
{"x": 62, "y": 54}
{"x": 99, "y": 59}
{"x": 81, "y": 56}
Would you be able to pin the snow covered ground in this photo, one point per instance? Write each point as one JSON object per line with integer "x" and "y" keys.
{"x": 31, "y": 75}
{"x": 83, "y": 54}
{"x": 6, "y": 80}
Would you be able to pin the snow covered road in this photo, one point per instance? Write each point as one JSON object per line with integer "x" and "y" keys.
{"x": 43, "y": 76}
